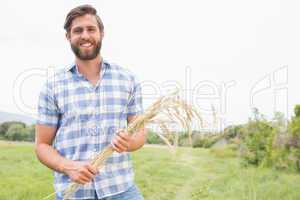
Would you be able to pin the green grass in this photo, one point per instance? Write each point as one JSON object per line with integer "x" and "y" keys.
{"x": 190, "y": 174}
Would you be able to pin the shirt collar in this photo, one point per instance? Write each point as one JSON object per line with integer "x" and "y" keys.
{"x": 74, "y": 69}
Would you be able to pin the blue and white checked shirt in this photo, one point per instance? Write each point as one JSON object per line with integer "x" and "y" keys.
{"x": 87, "y": 118}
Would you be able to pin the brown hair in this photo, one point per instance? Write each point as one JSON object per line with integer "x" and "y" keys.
{"x": 81, "y": 11}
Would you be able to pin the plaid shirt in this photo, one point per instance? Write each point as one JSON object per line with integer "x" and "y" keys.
{"x": 87, "y": 117}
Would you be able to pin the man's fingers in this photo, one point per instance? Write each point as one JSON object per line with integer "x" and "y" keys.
{"x": 85, "y": 172}
{"x": 80, "y": 179}
{"x": 121, "y": 148}
{"x": 118, "y": 148}
{"x": 82, "y": 172}
{"x": 121, "y": 142}
{"x": 83, "y": 179}
{"x": 92, "y": 169}
{"x": 123, "y": 135}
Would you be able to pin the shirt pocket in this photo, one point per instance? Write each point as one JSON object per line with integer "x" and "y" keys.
{"x": 115, "y": 104}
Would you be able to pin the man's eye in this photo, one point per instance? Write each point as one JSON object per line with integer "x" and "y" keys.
{"x": 77, "y": 31}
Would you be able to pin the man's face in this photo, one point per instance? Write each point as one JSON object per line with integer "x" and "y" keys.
{"x": 85, "y": 37}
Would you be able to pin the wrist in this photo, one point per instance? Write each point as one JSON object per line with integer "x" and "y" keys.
{"x": 135, "y": 145}
{"x": 65, "y": 166}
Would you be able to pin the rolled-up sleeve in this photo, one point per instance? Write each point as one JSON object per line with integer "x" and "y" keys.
{"x": 47, "y": 107}
{"x": 135, "y": 104}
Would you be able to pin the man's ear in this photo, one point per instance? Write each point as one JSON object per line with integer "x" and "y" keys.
{"x": 102, "y": 34}
{"x": 68, "y": 37}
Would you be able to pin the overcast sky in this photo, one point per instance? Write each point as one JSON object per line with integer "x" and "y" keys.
{"x": 234, "y": 55}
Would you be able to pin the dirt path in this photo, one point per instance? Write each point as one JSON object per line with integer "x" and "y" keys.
{"x": 186, "y": 190}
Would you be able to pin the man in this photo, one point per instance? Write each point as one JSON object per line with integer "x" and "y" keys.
{"x": 80, "y": 110}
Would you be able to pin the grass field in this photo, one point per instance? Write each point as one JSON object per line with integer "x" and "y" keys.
{"x": 191, "y": 174}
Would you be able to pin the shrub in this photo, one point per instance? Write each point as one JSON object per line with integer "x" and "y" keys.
{"x": 5, "y": 126}
{"x": 183, "y": 139}
{"x": 152, "y": 138}
{"x": 233, "y": 131}
{"x": 30, "y": 131}
{"x": 16, "y": 132}
{"x": 206, "y": 141}
{"x": 257, "y": 141}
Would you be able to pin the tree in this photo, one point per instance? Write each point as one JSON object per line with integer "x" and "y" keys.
{"x": 294, "y": 128}
{"x": 279, "y": 120}
{"x": 294, "y": 125}
{"x": 297, "y": 110}
{"x": 257, "y": 141}
{"x": 5, "y": 126}
{"x": 16, "y": 132}
{"x": 30, "y": 131}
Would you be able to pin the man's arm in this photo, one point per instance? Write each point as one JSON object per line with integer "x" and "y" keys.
{"x": 80, "y": 172}
{"x": 43, "y": 149}
{"x": 138, "y": 138}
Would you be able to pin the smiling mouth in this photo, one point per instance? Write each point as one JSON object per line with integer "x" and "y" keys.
{"x": 86, "y": 44}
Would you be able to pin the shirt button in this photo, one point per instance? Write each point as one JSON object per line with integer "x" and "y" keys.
{"x": 95, "y": 130}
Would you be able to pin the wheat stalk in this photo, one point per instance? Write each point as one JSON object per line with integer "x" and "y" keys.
{"x": 169, "y": 108}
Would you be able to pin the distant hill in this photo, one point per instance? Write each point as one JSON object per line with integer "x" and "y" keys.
{"x": 6, "y": 116}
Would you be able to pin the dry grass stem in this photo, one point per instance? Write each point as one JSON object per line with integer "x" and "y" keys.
{"x": 166, "y": 109}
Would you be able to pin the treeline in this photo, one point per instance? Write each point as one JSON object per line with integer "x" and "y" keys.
{"x": 269, "y": 143}
{"x": 260, "y": 142}
{"x": 17, "y": 131}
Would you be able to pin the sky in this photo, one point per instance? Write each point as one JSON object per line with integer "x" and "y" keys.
{"x": 227, "y": 57}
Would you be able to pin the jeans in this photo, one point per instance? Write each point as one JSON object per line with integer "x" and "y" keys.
{"x": 132, "y": 193}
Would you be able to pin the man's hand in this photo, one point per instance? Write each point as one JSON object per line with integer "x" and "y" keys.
{"x": 80, "y": 172}
{"x": 121, "y": 142}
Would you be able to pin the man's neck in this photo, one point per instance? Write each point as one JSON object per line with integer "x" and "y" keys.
{"x": 89, "y": 68}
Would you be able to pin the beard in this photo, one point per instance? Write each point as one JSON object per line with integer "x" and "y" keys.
{"x": 87, "y": 55}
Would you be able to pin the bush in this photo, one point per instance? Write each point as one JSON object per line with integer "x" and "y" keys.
{"x": 5, "y": 126}
{"x": 260, "y": 142}
{"x": 30, "y": 131}
{"x": 233, "y": 131}
{"x": 295, "y": 158}
{"x": 257, "y": 142}
{"x": 198, "y": 143}
{"x": 153, "y": 138}
{"x": 16, "y": 132}
{"x": 19, "y": 132}
{"x": 183, "y": 139}
{"x": 206, "y": 141}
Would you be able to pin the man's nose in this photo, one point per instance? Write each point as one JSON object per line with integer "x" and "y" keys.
{"x": 85, "y": 34}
